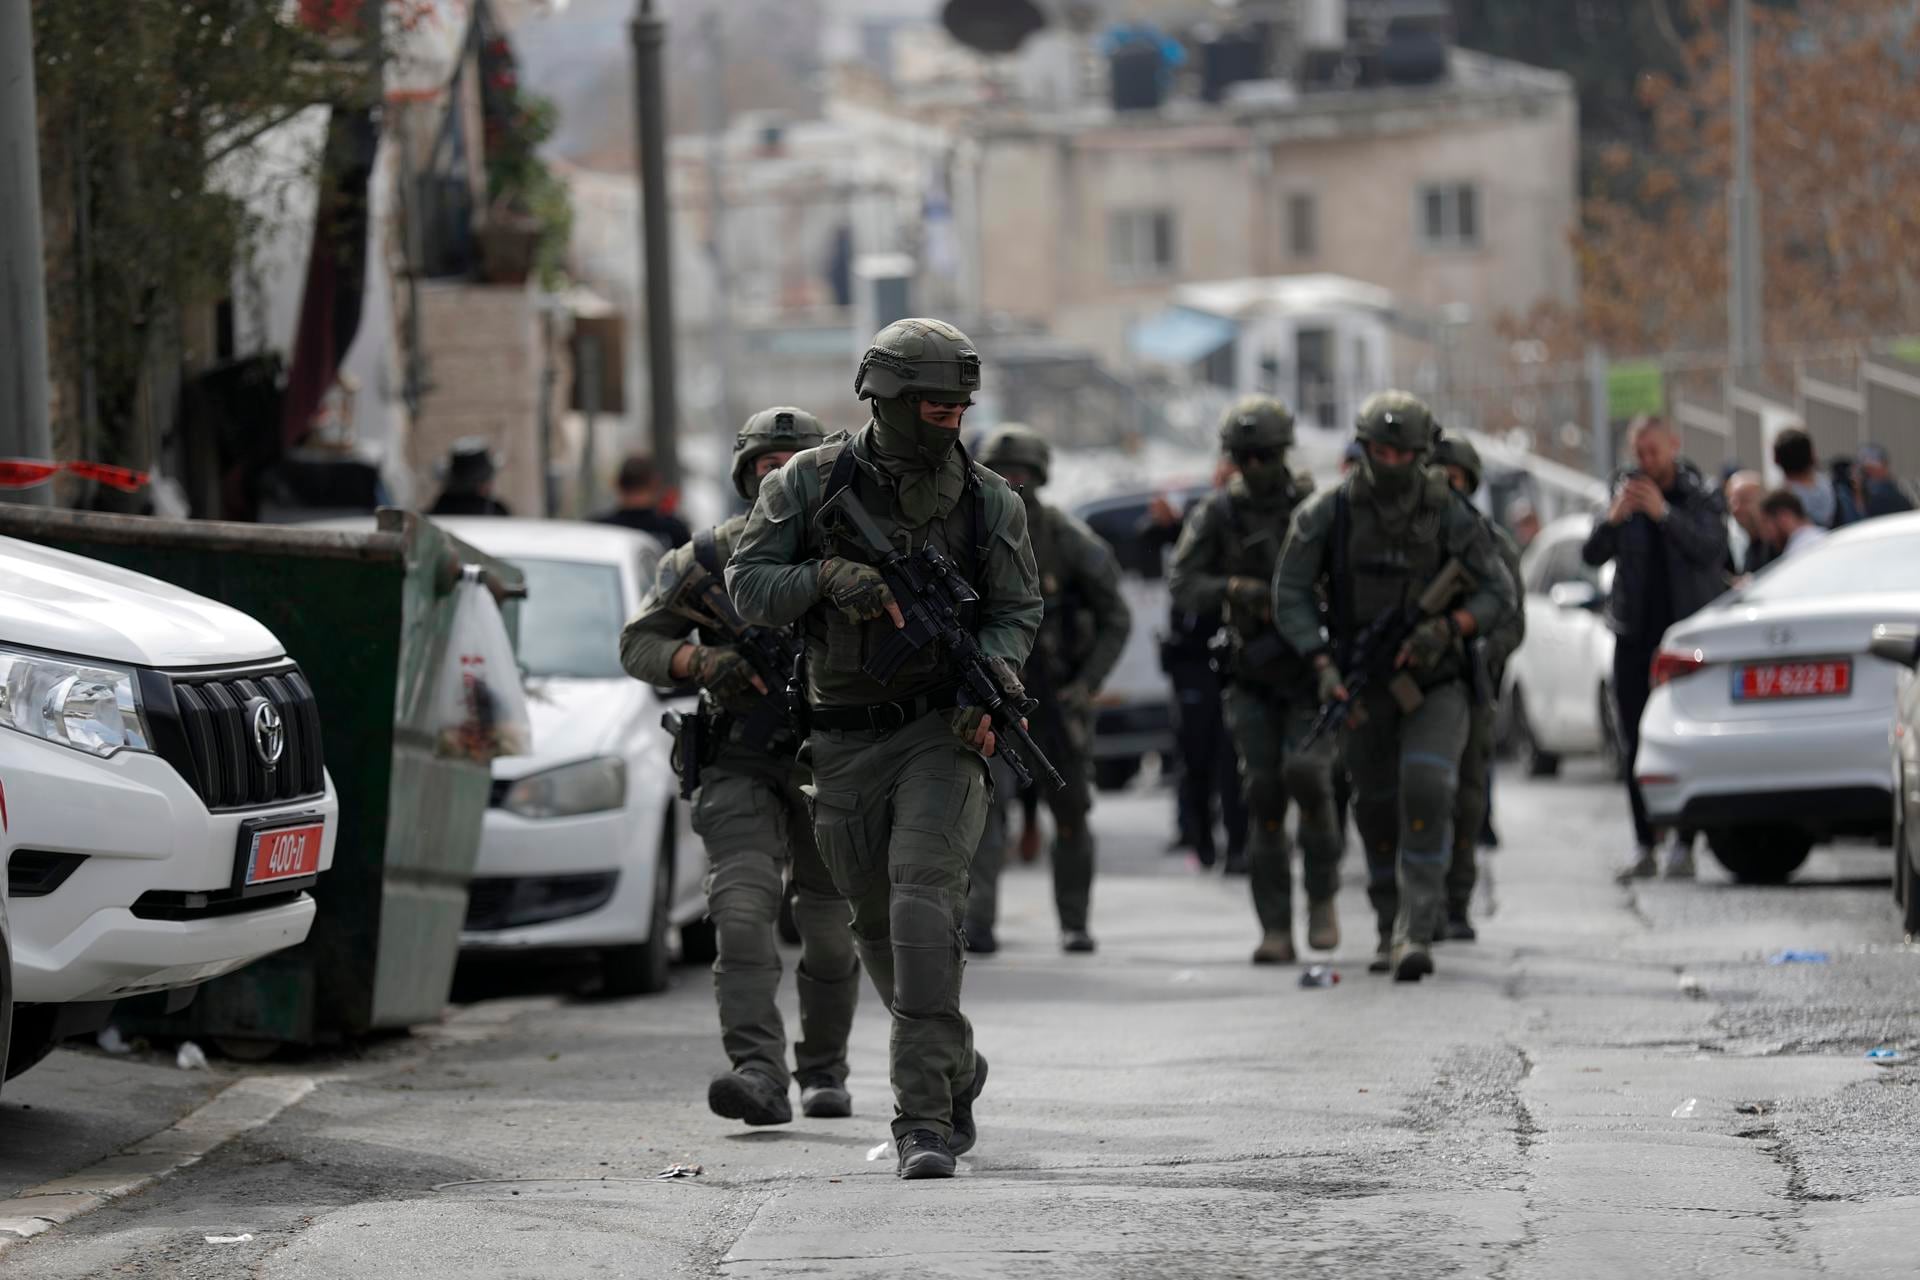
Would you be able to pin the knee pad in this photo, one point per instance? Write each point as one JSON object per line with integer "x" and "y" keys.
{"x": 926, "y": 952}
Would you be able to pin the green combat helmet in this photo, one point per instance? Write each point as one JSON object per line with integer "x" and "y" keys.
{"x": 1018, "y": 445}
{"x": 782, "y": 429}
{"x": 927, "y": 356}
{"x": 1452, "y": 451}
{"x": 1256, "y": 422}
{"x": 1398, "y": 419}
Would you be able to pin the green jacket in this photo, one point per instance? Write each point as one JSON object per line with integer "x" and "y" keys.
{"x": 649, "y": 641}
{"x": 1306, "y": 561}
{"x": 1235, "y": 534}
{"x": 1087, "y": 619}
{"x": 774, "y": 574}
{"x": 1505, "y": 638}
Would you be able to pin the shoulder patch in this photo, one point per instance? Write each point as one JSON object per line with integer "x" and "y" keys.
{"x": 778, "y": 503}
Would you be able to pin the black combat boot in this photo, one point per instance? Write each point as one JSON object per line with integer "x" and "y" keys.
{"x": 924, "y": 1155}
{"x": 822, "y": 1098}
{"x": 1077, "y": 941}
{"x": 749, "y": 1096}
{"x": 964, "y": 1131}
{"x": 979, "y": 938}
{"x": 1458, "y": 928}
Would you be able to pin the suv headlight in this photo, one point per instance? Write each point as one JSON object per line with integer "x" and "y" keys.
{"x": 590, "y": 786}
{"x": 86, "y": 705}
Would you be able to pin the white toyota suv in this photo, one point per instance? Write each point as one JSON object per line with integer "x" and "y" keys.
{"x": 165, "y": 803}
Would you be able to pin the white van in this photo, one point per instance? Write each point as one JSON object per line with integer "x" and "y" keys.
{"x": 163, "y": 802}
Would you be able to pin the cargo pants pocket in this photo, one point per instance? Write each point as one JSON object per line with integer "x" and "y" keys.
{"x": 840, "y": 830}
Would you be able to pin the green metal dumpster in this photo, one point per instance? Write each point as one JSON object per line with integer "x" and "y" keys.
{"x": 367, "y": 616}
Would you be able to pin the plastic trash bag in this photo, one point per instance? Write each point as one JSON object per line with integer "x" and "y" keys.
{"x": 479, "y": 708}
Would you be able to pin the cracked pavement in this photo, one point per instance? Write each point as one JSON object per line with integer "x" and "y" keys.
{"x": 1610, "y": 1082}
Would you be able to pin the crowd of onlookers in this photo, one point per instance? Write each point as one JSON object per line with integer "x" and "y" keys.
{"x": 1765, "y": 526}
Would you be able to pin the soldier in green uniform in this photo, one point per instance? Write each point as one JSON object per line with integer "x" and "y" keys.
{"x": 1080, "y": 639}
{"x": 1370, "y": 547}
{"x": 751, "y": 814}
{"x": 1472, "y": 797}
{"x": 1225, "y": 561}
{"x": 900, "y": 783}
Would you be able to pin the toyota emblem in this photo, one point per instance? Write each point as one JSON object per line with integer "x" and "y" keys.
{"x": 269, "y": 731}
{"x": 1778, "y": 634}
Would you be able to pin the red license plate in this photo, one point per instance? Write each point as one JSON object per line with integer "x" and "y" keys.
{"x": 1833, "y": 679}
{"x": 285, "y": 853}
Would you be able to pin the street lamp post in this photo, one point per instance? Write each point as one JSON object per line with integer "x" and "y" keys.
{"x": 1744, "y": 312}
{"x": 24, "y": 429}
{"x": 650, "y": 142}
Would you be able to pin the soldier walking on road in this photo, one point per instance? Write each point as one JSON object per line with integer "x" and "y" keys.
{"x": 1084, "y": 629}
{"x": 1370, "y": 548}
{"x": 751, "y": 814}
{"x": 1473, "y": 796}
{"x": 1225, "y": 560}
{"x": 900, "y": 783}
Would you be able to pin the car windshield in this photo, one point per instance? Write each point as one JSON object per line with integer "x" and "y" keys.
{"x": 570, "y": 621}
{"x": 1844, "y": 566}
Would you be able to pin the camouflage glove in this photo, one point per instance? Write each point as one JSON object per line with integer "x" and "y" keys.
{"x": 1430, "y": 642}
{"x": 966, "y": 720}
{"x": 856, "y": 590}
{"x": 1075, "y": 698}
{"x": 723, "y": 673}
{"x": 1250, "y": 598}
{"x": 1330, "y": 682}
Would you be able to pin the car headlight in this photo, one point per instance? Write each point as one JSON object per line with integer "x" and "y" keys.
{"x": 86, "y": 705}
{"x": 590, "y": 786}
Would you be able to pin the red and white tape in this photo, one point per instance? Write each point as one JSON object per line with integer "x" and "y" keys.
{"x": 20, "y": 473}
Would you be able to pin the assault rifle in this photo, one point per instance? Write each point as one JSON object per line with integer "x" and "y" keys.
{"x": 931, "y": 593}
{"x": 1374, "y": 649}
{"x": 772, "y": 652}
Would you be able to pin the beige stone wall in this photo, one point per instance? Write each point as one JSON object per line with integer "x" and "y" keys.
{"x": 483, "y": 348}
{"x": 1047, "y": 199}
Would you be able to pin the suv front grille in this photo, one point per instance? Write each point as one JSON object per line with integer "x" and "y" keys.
{"x": 201, "y": 727}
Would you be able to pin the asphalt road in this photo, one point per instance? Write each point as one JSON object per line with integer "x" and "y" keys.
{"x": 1610, "y": 1082}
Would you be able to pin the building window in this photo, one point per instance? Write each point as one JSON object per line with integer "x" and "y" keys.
{"x": 1303, "y": 225}
{"x": 1449, "y": 215}
{"x": 1140, "y": 244}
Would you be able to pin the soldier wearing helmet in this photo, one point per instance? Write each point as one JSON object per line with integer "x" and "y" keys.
{"x": 900, "y": 777}
{"x": 1473, "y": 795}
{"x": 1081, "y": 635}
{"x": 752, "y": 816}
{"x": 1224, "y": 562}
{"x": 1367, "y": 548}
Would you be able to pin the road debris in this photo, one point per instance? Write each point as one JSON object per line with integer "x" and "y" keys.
{"x": 1320, "y": 975}
{"x": 673, "y": 1171}
{"x": 1685, "y": 1110}
{"x": 191, "y": 1057}
{"x": 240, "y": 1239}
{"x": 1794, "y": 956}
{"x": 1886, "y": 1056}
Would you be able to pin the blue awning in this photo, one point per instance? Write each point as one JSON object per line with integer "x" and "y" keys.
{"x": 1180, "y": 335}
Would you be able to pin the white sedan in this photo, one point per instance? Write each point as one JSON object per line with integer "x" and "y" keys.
{"x": 583, "y": 849}
{"x": 1769, "y": 720}
{"x": 1558, "y": 696}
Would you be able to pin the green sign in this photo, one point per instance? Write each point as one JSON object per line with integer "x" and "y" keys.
{"x": 1905, "y": 349}
{"x": 1635, "y": 387}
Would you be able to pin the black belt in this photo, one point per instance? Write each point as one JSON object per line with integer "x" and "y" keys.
{"x": 885, "y": 717}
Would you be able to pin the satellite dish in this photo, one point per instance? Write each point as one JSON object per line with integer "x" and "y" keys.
{"x": 992, "y": 26}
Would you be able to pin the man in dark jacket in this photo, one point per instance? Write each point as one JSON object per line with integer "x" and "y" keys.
{"x": 1667, "y": 535}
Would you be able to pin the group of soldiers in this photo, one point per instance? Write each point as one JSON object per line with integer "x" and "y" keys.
{"x": 947, "y": 633}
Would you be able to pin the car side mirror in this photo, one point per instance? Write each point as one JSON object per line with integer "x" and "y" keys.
{"x": 1574, "y": 595}
{"x": 1897, "y": 642}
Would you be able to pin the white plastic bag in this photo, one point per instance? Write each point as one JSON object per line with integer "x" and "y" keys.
{"x": 479, "y": 708}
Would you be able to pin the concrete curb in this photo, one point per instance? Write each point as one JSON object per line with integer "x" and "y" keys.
{"x": 245, "y": 1104}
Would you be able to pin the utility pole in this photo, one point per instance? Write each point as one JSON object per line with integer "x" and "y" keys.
{"x": 716, "y": 112}
{"x": 650, "y": 139}
{"x": 24, "y": 429}
{"x": 1744, "y": 280}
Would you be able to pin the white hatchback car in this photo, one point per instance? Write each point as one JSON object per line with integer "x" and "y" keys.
{"x": 583, "y": 848}
{"x": 165, "y": 805}
{"x": 1769, "y": 720}
{"x": 1558, "y": 697}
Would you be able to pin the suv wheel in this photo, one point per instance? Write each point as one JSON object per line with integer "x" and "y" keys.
{"x": 1760, "y": 855}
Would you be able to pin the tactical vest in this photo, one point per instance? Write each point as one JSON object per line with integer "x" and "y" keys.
{"x": 1376, "y": 569}
{"x": 1066, "y": 625}
{"x": 1255, "y": 531}
{"x": 838, "y": 646}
